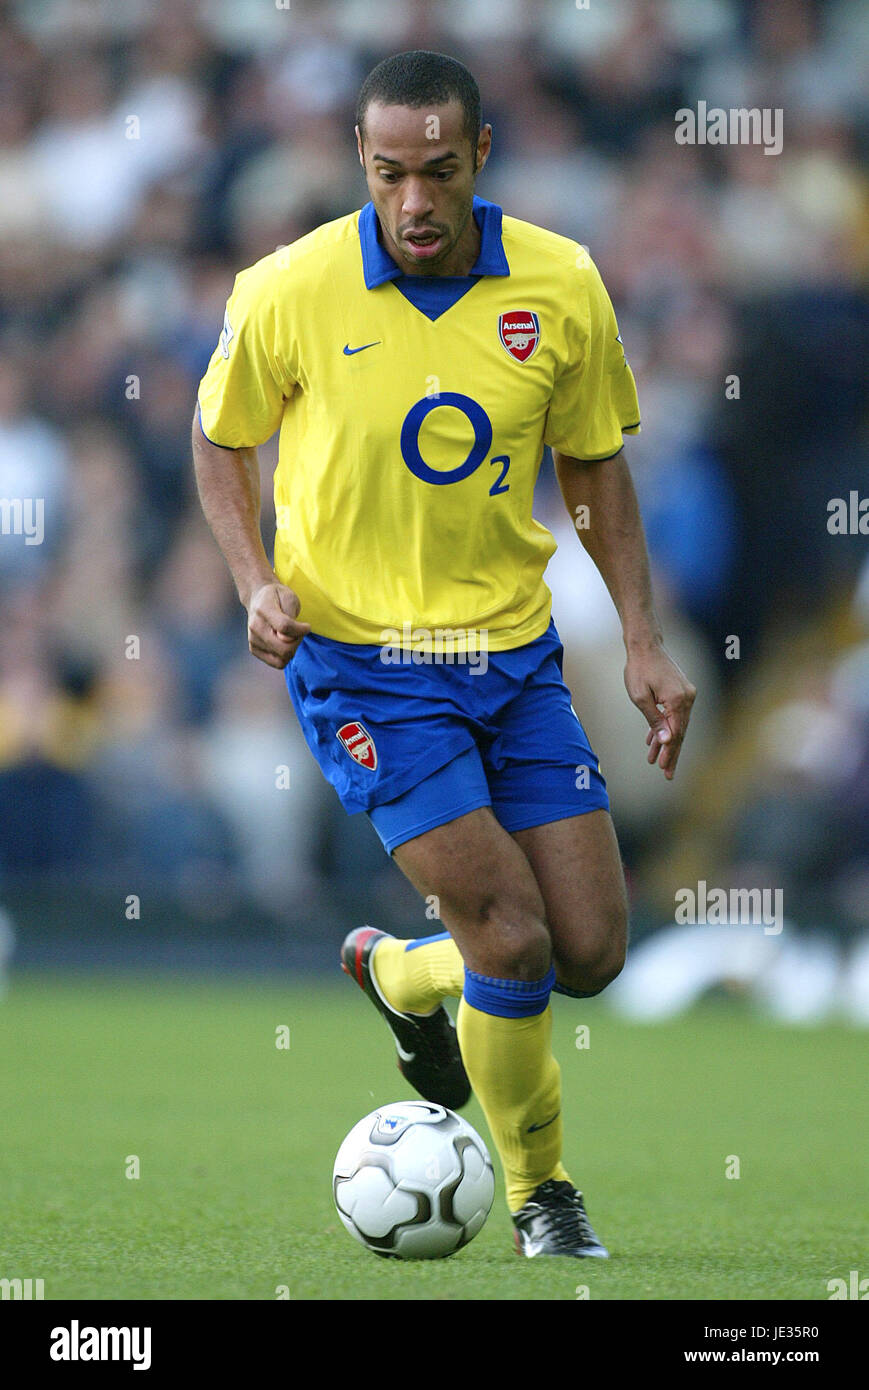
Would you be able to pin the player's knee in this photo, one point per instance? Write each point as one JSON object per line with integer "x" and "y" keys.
{"x": 517, "y": 943}
{"x": 591, "y": 977}
{"x": 591, "y": 963}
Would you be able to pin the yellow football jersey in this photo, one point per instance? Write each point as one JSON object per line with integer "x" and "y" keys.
{"x": 411, "y": 437}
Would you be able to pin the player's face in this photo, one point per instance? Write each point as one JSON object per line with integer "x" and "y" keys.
{"x": 420, "y": 167}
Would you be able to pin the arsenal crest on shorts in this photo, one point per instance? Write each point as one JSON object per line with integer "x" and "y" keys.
{"x": 519, "y": 331}
{"x": 359, "y": 743}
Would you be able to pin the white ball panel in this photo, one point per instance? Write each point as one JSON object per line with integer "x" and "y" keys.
{"x": 373, "y": 1204}
{"x": 425, "y": 1154}
{"x": 476, "y": 1191}
{"x": 429, "y": 1242}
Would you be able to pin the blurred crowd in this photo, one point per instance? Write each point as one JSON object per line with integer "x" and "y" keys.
{"x": 149, "y": 151}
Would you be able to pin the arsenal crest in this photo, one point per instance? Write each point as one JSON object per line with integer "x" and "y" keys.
{"x": 519, "y": 332}
{"x": 359, "y": 744}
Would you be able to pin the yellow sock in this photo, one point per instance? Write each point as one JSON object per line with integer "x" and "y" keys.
{"x": 416, "y": 981}
{"x": 518, "y": 1083}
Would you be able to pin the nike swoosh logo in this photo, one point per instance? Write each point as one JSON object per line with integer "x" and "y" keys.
{"x": 349, "y": 351}
{"x": 532, "y": 1129}
{"x": 405, "y": 1056}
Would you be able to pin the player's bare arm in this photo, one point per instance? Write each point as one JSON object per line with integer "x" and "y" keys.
{"x": 615, "y": 540}
{"x": 229, "y": 490}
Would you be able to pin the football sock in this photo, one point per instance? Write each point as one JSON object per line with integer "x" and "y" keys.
{"x": 415, "y": 976}
{"x": 505, "y": 1033}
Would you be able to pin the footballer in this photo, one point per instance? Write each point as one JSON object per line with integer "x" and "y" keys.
{"x": 417, "y": 356}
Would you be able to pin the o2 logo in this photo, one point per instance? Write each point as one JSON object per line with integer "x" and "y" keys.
{"x": 482, "y": 427}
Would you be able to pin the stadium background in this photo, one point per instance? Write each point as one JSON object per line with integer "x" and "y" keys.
{"x": 147, "y": 152}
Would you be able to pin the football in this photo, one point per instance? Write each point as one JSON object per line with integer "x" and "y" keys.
{"x": 414, "y": 1181}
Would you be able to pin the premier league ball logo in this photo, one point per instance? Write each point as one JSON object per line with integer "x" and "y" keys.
{"x": 519, "y": 331}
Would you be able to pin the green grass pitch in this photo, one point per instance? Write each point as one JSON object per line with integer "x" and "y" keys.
{"x": 235, "y": 1139}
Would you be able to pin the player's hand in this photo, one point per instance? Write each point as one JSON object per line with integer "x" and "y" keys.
{"x": 665, "y": 695}
{"x": 273, "y": 629}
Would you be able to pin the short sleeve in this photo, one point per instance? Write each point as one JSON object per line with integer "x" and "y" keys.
{"x": 245, "y": 388}
{"x": 595, "y": 397}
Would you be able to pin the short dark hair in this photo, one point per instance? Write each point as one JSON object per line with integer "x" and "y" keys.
{"x": 419, "y": 78}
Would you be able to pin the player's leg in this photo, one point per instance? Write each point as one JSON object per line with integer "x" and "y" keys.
{"x": 488, "y": 899}
{"x": 491, "y": 903}
{"x": 407, "y": 981}
{"x": 415, "y": 976}
{"x": 577, "y": 867}
{"x": 548, "y": 792}
{"x": 488, "y": 896}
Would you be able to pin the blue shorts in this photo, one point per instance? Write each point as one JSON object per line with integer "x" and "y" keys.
{"x": 416, "y": 746}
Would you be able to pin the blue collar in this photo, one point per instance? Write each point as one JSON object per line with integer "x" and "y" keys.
{"x": 378, "y": 266}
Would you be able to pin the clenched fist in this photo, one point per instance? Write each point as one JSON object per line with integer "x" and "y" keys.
{"x": 273, "y": 629}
